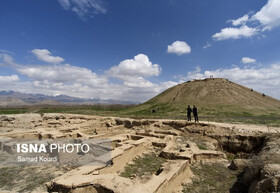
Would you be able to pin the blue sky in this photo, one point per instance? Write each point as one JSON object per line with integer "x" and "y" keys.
{"x": 134, "y": 49}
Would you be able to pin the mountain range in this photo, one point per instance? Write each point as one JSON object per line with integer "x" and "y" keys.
{"x": 13, "y": 98}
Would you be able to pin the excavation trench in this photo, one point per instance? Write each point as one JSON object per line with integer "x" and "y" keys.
{"x": 257, "y": 158}
{"x": 249, "y": 154}
{"x": 242, "y": 146}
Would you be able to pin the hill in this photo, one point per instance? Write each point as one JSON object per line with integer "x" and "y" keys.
{"x": 214, "y": 97}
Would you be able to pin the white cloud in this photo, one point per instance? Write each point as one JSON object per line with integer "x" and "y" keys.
{"x": 83, "y": 8}
{"x": 132, "y": 72}
{"x": 6, "y": 51}
{"x": 269, "y": 15}
{"x": 137, "y": 82}
{"x": 267, "y": 19}
{"x": 167, "y": 84}
{"x": 62, "y": 74}
{"x": 65, "y": 3}
{"x": 139, "y": 66}
{"x": 240, "y": 21}
{"x": 248, "y": 60}
{"x": 145, "y": 92}
{"x": 6, "y": 58}
{"x": 179, "y": 48}
{"x": 235, "y": 33}
{"x": 6, "y": 79}
{"x": 208, "y": 45}
{"x": 264, "y": 79}
{"x": 54, "y": 79}
{"x": 46, "y": 56}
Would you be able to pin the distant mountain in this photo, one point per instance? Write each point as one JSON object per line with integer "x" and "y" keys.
{"x": 10, "y": 101}
{"x": 12, "y": 98}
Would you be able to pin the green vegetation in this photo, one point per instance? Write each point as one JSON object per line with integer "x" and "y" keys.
{"x": 256, "y": 120}
{"x": 229, "y": 114}
{"x": 164, "y": 111}
{"x": 149, "y": 163}
{"x": 231, "y": 156}
{"x": 201, "y": 147}
{"x": 217, "y": 100}
{"x": 209, "y": 177}
{"x": 25, "y": 179}
{"x": 98, "y": 109}
{"x": 13, "y": 110}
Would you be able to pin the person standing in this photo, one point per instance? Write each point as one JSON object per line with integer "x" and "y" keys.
{"x": 189, "y": 111}
{"x": 195, "y": 113}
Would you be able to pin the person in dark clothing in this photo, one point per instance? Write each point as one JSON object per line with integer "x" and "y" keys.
{"x": 195, "y": 113}
{"x": 189, "y": 111}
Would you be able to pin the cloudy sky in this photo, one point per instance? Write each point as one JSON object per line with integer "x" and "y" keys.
{"x": 134, "y": 49}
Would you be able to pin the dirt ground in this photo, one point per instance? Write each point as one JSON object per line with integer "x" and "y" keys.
{"x": 145, "y": 155}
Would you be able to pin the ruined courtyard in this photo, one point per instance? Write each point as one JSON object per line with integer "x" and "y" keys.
{"x": 152, "y": 155}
